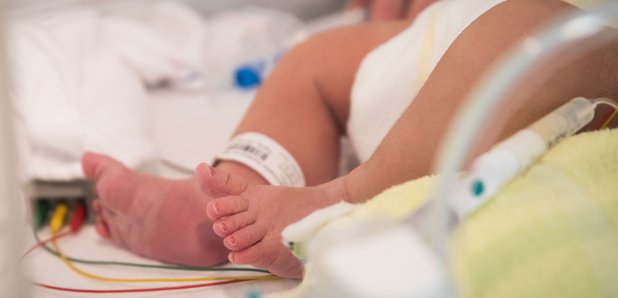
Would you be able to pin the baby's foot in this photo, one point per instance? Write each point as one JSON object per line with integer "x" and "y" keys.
{"x": 151, "y": 216}
{"x": 252, "y": 217}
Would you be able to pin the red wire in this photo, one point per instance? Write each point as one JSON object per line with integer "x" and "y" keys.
{"x": 136, "y": 290}
{"x": 604, "y": 119}
{"x": 78, "y": 217}
{"x": 40, "y": 244}
{"x": 76, "y": 223}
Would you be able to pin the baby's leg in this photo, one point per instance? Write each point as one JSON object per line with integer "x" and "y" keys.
{"x": 303, "y": 105}
{"x": 252, "y": 218}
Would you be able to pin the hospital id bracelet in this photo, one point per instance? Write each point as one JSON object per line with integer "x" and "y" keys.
{"x": 265, "y": 156}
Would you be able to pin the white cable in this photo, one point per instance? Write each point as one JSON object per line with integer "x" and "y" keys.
{"x": 504, "y": 161}
{"x": 606, "y": 101}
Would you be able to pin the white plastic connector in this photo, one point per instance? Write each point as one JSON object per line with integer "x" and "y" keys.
{"x": 509, "y": 158}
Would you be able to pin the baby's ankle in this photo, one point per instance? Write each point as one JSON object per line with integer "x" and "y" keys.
{"x": 241, "y": 171}
{"x": 335, "y": 191}
{"x": 356, "y": 186}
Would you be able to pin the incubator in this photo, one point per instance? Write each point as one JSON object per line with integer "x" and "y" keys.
{"x": 416, "y": 256}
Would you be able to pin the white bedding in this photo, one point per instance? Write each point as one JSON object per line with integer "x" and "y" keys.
{"x": 81, "y": 75}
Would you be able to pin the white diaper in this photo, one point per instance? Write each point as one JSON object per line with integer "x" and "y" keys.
{"x": 391, "y": 75}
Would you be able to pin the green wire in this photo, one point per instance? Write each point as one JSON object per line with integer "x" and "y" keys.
{"x": 42, "y": 208}
{"x": 168, "y": 267}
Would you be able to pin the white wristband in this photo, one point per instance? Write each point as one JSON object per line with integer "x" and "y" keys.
{"x": 265, "y": 156}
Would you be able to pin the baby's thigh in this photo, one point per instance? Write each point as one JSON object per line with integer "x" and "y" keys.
{"x": 481, "y": 45}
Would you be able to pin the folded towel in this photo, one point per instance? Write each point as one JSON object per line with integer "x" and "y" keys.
{"x": 552, "y": 232}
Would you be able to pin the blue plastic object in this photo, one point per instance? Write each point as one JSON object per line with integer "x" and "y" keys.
{"x": 478, "y": 188}
{"x": 248, "y": 77}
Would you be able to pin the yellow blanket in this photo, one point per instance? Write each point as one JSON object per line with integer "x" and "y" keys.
{"x": 552, "y": 232}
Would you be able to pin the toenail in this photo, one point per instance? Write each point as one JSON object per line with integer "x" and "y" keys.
{"x": 211, "y": 170}
{"x": 223, "y": 227}
{"x": 215, "y": 208}
{"x": 232, "y": 240}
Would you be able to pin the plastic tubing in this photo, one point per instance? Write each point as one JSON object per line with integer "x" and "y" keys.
{"x": 492, "y": 88}
{"x": 509, "y": 158}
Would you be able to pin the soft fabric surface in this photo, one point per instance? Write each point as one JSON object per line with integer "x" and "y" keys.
{"x": 551, "y": 232}
{"x": 79, "y": 82}
{"x": 80, "y": 75}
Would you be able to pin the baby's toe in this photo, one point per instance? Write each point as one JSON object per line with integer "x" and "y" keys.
{"x": 261, "y": 255}
{"x": 254, "y": 255}
{"x": 217, "y": 183}
{"x": 244, "y": 237}
{"x": 101, "y": 228}
{"x": 270, "y": 256}
{"x": 115, "y": 229}
{"x": 226, "y": 206}
{"x": 231, "y": 224}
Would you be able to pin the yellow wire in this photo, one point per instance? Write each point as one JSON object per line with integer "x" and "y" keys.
{"x": 57, "y": 220}
{"x": 610, "y": 119}
{"x": 110, "y": 279}
{"x": 56, "y": 224}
